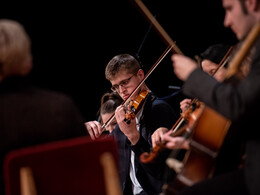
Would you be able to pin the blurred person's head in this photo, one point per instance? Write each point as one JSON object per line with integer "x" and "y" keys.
{"x": 211, "y": 58}
{"x": 15, "y": 50}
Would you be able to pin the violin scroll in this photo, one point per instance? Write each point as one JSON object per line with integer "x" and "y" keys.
{"x": 149, "y": 157}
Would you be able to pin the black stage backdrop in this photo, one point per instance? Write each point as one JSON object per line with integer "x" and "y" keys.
{"x": 73, "y": 41}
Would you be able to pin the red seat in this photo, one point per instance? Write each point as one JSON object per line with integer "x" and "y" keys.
{"x": 71, "y": 167}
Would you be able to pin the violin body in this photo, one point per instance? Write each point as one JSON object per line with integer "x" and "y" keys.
{"x": 134, "y": 105}
{"x": 208, "y": 130}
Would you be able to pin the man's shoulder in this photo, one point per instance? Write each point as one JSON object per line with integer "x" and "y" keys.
{"x": 155, "y": 105}
{"x": 157, "y": 102}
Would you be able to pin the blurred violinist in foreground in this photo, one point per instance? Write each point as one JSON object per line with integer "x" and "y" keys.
{"x": 238, "y": 102}
{"x": 134, "y": 134}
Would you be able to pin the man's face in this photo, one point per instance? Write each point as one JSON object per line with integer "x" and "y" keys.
{"x": 235, "y": 18}
{"x": 126, "y": 83}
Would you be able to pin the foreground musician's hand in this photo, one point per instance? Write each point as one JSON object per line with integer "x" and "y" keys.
{"x": 183, "y": 66}
{"x": 177, "y": 142}
{"x": 163, "y": 135}
{"x": 157, "y": 135}
{"x": 184, "y": 104}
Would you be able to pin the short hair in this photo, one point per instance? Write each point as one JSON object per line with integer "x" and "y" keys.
{"x": 121, "y": 62}
{"x": 215, "y": 53}
{"x": 15, "y": 48}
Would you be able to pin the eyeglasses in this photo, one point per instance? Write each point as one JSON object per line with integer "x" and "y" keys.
{"x": 123, "y": 83}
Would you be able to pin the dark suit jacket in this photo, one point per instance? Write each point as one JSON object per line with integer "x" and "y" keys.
{"x": 156, "y": 113}
{"x": 30, "y": 116}
{"x": 238, "y": 103}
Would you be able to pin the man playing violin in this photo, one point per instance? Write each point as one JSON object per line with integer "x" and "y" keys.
{"x": 238, "y": 102}
{"x": 134, "y": 136}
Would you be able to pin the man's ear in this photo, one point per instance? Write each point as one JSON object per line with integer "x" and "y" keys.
{"x": 140, "y": 73}
{"x": 252, "y": 5}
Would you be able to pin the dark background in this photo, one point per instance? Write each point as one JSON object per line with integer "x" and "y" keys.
{"x": 73, "y": 41}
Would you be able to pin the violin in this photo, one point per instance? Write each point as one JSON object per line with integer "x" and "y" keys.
{"x": 199, "y": 161}
{"x": 207, "y": 128}
{"x": 185, "y": 116}
{"x": 176, "y": 131}
{"x": 135, "y": 105}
